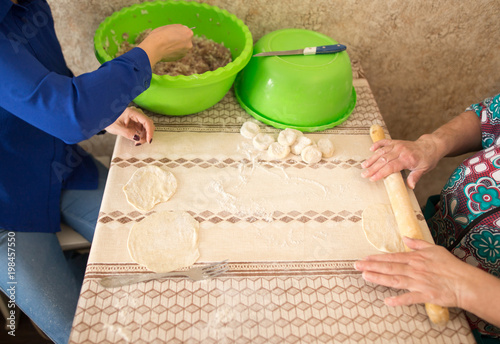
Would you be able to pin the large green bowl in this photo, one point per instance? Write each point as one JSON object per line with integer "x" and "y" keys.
{"x": 308, "y": 93}
{"x": 179, "y": 95}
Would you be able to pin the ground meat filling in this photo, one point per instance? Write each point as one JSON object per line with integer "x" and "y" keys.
{"x": 206, "y": 55}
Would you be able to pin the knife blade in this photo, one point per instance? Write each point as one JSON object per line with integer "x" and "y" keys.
{"x": 324, "y": 49}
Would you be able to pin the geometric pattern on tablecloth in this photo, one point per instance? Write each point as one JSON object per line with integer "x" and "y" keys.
{"x": 240, "y": 269}
{"x": 340, "y": 308}
{"x": 273, "y": 302}
{"x": 226, "y": 216}
{"x": 228, "y": 116}
{"x": 213, "y": 162}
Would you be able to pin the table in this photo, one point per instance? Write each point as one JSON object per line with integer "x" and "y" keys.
{"x": 290, "y": 231}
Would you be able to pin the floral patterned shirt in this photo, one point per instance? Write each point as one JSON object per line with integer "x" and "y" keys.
{"x": 468, "y": 218}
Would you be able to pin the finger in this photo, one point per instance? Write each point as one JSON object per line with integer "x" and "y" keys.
{"x": 381, "y": 143}
{"x": 393, "y": 281}
{"x": 416, "y": 244}
{"x": 150, "y": 129}
{"x": 129, "y": 133}
{"x": 398, "y": 257}
{"x": 406, "y": 299}
{"x": 145, "y": 125}
{"x": 386, "y": 268}
{"x": 380, "y": 148}
{"x": 146, "y": 128}
{"x": 413, "y": 178}
{"x": 385, "y": 170}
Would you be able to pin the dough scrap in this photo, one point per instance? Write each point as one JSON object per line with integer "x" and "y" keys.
{"x": 149, "y": 186}
{"x": 165, "y": 241}
{"x": 288, "y": 136}
{"x": 301, "y": 143}
{"x": 326, "y": 148}
{"x": 381, "y": 229}
{"x": 311, "y": 155}
{"x": 278, "y": 151}
{"x": 262, "y": 141}
{"x": 249, "y": 130}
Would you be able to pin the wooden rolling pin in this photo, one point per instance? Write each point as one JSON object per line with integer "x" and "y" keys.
{"x": 407, "y": 220}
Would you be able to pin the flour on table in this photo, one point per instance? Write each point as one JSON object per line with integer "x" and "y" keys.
{"x": 381, "y": 229}
{"x": 165, "y": 241}
{"x": 149, "y": 186}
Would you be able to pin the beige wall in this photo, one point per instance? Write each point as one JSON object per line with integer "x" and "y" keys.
{"x": 426, "y": 60}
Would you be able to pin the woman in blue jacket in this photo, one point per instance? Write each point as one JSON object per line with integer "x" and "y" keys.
{"x": 44, "y": 176}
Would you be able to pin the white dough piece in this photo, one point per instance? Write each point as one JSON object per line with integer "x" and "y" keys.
{"x": 326, "y": 148}
{"x": 381, "y": 229}
{"x": 262, "y": 141}
{"x": 301, "y": 143}
{"x": 311, "y": 155}
{"x": 165, "y": 241}
{"x": 278, "y": 151}
{"x": 149, "y": 186}
{"x": 288, "y": 136}
{"x": 249, "y": 130}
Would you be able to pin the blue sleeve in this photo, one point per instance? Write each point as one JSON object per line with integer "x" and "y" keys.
{"x": 70, "y": 108}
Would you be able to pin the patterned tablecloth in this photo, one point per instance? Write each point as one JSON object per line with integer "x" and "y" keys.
{"x": 290, "y": 231}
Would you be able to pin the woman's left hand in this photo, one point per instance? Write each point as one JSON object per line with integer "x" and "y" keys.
{"x": 134, "y": 125}
{"x": 430, "y": 273}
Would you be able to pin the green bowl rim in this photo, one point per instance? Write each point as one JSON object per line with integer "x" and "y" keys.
{"x": 229, "y": 69}
{"x": 281, "y": 125}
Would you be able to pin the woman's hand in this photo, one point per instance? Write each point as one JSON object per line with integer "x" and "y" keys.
{"x": 392, "y": 156}
{"x": 134, "y": 125}
{"x": 433, "y": 275}
{"x": 430, "y": 273}
{"x": 167, "y": 43}
{"x": 460, "y": 135}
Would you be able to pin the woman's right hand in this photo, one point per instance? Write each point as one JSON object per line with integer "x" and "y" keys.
{"x": 392, "y": 156}
{"x": 167, "y": 43}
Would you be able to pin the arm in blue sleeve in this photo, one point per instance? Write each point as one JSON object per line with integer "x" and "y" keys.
{"x": 72, "y": 109}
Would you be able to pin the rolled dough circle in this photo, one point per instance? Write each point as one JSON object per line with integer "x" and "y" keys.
{"x": 165, "y": 241}
{"x": 149, "y": 186}
{"x": 381, "y": 229}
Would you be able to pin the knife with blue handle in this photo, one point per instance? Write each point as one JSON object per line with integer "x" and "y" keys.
{"x": 324, "y": 49}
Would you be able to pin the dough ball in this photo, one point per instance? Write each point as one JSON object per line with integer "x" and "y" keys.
{"x": 301, "y": 143}
{"x": 381, "y": 229}
{"x": 326, "y": 148}
{"x": 311, "y": 155}
{"x": 262, "y": 141}
{"x": 165, "y": 241}
{"x": 149, "y": 186}
{"x": 278, "y": 151}
{"x": 288, "y": 136}
{"x": 249, "y": 130}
